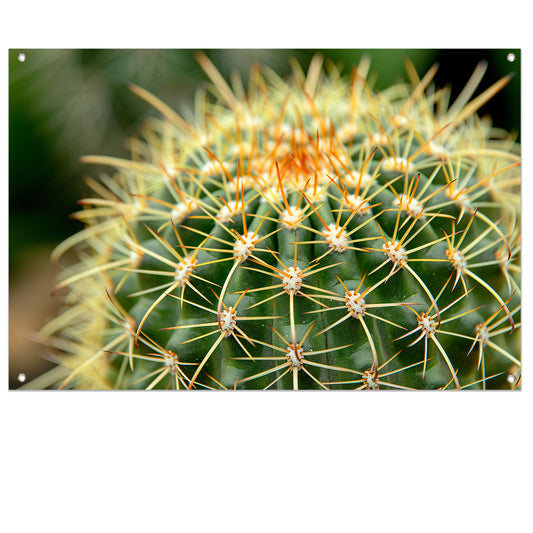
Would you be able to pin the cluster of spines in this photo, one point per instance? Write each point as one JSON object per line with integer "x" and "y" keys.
{"x": 321, "y": 190}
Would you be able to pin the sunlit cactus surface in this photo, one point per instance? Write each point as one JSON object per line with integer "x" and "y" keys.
{"x": 307, "y": 233}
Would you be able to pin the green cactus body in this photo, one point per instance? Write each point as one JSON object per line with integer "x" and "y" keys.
{"x": 310, "y": 233}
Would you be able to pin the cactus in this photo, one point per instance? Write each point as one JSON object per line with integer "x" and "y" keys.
{"x": 306, "y": 233}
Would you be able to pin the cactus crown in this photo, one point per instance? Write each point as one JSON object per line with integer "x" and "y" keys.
{"x": 308, "y": 233}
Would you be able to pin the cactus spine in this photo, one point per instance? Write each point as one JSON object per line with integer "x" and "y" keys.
{"x": 309, "y": 233}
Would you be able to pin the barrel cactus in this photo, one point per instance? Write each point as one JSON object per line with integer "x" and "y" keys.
{"x": 308, "y": 233}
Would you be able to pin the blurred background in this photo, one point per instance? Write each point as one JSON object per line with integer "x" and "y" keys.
{"x": 64, "y": 104}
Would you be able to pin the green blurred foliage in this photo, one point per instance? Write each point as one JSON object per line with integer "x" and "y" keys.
{"x": 67, "y": 103}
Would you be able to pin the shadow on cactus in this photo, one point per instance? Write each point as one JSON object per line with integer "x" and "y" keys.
{"x": 309, "y": 233}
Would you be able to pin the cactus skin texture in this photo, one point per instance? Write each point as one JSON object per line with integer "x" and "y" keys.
{"x": 309, "y": 233}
